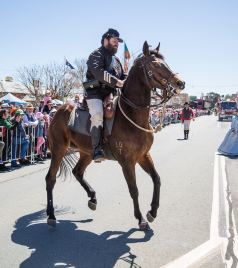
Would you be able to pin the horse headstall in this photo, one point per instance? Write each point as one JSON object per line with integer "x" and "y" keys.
{"x": 168, "y": 91}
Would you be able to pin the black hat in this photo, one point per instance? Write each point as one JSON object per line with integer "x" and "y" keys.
{"x": 110, "y": 34}
{"x": 186, "y": 103}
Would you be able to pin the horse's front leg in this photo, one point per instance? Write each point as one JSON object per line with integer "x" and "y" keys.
{"x": 147, "y": 164}
{"x": 129, "y": 173}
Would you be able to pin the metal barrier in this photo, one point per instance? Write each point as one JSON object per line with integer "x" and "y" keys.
{"x": 169, "y": 117}
{"x": 172, "y": 116}
{"x": 15, "y": 144}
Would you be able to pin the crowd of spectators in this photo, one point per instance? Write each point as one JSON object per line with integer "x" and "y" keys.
{"x": 170, "y": 115}
{"x": 23, "y": 132}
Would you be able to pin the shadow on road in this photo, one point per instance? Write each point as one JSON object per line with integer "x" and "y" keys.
{"x": 69, "y": 246}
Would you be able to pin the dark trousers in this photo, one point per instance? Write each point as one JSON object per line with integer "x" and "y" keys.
{"x": 24, "y": 144}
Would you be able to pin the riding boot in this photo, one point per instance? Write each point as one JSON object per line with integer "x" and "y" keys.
{"x": 96, "y": 136}
{"x": 185, "y": 134}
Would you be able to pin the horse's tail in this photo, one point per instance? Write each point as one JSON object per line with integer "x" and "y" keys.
{"x": 70, "y": 158}
{"x": 68, "y": 162}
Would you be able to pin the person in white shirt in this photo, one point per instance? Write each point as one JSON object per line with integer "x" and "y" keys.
{"x": 29, "y": 119}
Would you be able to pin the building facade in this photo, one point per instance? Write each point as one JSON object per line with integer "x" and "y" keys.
{"x": 8, "y": 85}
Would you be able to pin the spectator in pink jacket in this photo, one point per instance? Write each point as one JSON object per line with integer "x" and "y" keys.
{"x": 47, "y": 97}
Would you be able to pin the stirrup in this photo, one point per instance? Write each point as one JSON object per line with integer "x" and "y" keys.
{"x": 98, "y": 156}
{"x": 99, "y": 160}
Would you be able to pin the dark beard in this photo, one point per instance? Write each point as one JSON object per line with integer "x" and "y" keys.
{"x": 112, "y": 50}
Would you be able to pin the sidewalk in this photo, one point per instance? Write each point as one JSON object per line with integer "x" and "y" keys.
{"x": 232, "y": 175}
{"x": 24, "y": 171}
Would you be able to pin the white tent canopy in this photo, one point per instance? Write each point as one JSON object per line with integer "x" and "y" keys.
{"x": 9, "y": 98}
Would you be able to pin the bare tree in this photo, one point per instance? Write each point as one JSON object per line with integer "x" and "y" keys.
{"x": 31, "y": 78}
{"x": 58, "y": 80}
{"x": 81, "y": 69}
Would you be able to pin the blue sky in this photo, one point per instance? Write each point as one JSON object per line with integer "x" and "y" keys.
{"x": 199, "y": 39}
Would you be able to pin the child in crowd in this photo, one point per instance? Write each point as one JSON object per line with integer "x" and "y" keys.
{"x": 40, "y": 135}
{"x": 45, "y": 133}
{"x": 47, "y": 97}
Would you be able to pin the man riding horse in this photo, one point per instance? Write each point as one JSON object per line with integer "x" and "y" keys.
{"x": 104, "y": 75}
{"x": 131, "y": 137}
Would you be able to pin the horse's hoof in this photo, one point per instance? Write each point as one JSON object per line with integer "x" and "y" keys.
{"x": 149, "y": 217}
{"x": 92, "y": 205}
{"x": 144, "y": 226}
{"x": 51, "y": 223}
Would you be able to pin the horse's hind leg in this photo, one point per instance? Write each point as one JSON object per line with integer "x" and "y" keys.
{"x": 56, "y": 159}
{"x": 129, "y": 173}
{"x": 78, "y": 172}
{"x": 146, "y": 163}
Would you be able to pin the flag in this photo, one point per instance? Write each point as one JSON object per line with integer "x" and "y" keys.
{"x": 67, "y": 63}
{"x": 127, "y": 57}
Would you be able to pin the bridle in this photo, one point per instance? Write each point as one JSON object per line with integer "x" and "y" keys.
{"x": 168, "y": 92}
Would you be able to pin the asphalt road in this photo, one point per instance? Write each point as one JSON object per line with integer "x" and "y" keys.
{"x": 109, "y": 237}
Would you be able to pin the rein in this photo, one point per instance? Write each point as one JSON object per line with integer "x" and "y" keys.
{"x": 131, "y": 121}
{"x": 167, "y": 96}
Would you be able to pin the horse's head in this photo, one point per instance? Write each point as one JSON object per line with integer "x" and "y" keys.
{"x": 156, "y": 72}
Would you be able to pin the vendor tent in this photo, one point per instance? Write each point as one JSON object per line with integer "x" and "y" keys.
{"x": 11, "y": 99}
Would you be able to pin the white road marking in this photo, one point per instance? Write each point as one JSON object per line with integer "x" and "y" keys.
{"x": 197, "y": 256}
{"x": 223, "y": 232}
{"x": 229, "y": 248}
{"x": 214, "y": 226}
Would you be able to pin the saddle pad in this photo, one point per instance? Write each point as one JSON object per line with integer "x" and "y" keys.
{"x": 79, "y": 122}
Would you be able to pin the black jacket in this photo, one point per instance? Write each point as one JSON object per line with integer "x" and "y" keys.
{"x": 105, "y": 68}
{"x": 46, "y": 109}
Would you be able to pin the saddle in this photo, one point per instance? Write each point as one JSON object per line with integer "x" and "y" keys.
{"x": 108, "y": 106}
{"x": 79, "y": 121}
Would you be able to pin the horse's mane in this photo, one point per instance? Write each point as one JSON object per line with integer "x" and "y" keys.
{"x": 157, "y": 54}
{"x": 152, "y": 52}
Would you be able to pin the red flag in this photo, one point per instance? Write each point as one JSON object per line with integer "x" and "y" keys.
{"x": 127, "y": 57}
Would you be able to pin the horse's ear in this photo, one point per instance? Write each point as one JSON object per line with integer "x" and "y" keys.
{"x": 146, "y": 50}
{"x": 158, "y": 47}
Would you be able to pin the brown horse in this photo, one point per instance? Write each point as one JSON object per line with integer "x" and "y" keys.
{"x": 131, "y": 130}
